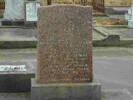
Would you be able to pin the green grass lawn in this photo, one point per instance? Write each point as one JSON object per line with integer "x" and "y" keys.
{"x": 1, "y": 16}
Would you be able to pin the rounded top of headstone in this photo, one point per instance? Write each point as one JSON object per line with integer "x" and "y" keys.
{"x": 64, "y": 44}
{"x": 65, "y": 5}
{"x": 72, "y": 7}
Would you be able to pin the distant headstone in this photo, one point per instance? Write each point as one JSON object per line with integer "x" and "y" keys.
{"x": 16, "y": 76}
{"x": 64, "y": 44}
{"x": 31, "y": 10}
{"x": 129, "y": 17}
{"x": 12, "y": 68}
{"x": 14, "y": 10}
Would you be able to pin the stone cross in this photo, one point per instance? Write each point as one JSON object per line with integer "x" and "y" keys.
{"x": 64, "y": 44}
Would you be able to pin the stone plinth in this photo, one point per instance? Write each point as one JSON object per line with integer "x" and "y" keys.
{"x": 66, "y": 91}
{"x": 14, "y": 13}
{"x": 64, "y": 44}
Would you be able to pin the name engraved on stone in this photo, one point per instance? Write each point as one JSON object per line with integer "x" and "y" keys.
{"x": 12, "y": 68}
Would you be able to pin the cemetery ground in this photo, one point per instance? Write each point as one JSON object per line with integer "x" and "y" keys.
{"x": 113, "y": 59}
{"x": 112, "y": 68}
{"x": 108, "y": 30}
{"x": 112, "y": 55}
{"x": 23, "y": 37}
{"x": 112, "y": 62}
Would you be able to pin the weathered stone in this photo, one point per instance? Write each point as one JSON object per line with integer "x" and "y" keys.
{"x": 64, "y": 44}
{"x": 14, "y": 10}
{"x": 66, "y": 91}
{"x": 16, "y": 81}
{"x": 31, "y": 11}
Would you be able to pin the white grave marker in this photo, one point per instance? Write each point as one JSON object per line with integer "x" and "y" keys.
{"x": 13, "y": 68}
{"x": 31, "y": 10}
{"x": 14, "y": 10}
{"x": 129, "y": 16}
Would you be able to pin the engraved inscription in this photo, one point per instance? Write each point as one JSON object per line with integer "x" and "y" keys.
{"x": 64, "y": 44}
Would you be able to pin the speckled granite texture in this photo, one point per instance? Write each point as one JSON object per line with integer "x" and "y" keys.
{"x": 64, "y": 44}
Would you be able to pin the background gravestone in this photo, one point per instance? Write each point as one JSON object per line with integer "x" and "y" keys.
{"x": 16, "y": 80}
{"x": 64, "y": 44}
{"x": 14, "y": 10}
{"x": 65, "y": 54}
{"x": 31, "y": 11}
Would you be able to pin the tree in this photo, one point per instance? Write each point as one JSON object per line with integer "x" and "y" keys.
{"x": 49, "y": 2}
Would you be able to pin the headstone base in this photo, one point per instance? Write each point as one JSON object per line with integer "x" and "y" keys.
{"x": 13, "y": 23}
{"x": 30, "y": 24}
{"x": 66, "y": 91}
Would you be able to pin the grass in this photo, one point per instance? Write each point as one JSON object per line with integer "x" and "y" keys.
{"x": 118, "y": 2}
{"x": 1, "y": 16}
{"x": 108, "y": 21}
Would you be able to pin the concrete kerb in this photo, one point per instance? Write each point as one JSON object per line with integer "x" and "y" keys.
{"x": 14, "y": 81}
{"x": 113, "y": 26}
{"x": 17, "y": 44}
{"x": 33, "y": 44}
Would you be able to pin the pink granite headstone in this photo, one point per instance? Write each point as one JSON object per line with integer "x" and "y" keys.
{"x": 64, "y": 44}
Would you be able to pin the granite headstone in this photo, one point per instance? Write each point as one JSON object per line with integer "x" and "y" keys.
{"x": 64, "y": 68}
{"x": 64, "y": 44}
